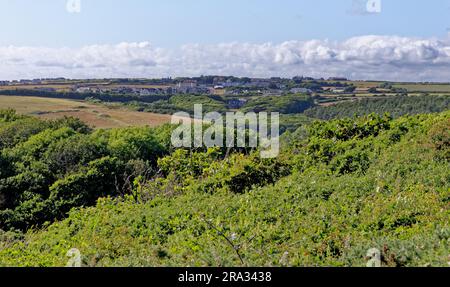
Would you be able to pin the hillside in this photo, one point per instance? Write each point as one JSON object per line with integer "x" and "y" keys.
{"x": 94, "y": 115}
{"x": 338, "y": 189}
{"x": 396, "y": 106}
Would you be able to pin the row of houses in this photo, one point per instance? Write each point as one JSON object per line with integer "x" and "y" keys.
{"x": 122, "y": 90}
{"x": 268, "y": 92}
{"x": 21, "y": 82}
{"x": 29, "y": 82}
{"x": 182, "y": 89}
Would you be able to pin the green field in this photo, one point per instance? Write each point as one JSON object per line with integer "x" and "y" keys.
{"x": 98, "y": 116}
{"x": 425, "y": 88}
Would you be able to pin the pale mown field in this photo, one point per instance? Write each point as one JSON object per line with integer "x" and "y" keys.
{"x": 425, "y": 88}
{"x": 97, "y": 116}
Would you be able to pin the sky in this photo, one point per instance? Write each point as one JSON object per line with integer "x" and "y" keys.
{"x": 404, "y": 40}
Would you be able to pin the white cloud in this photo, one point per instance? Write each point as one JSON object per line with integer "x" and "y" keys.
{"x": 365, "y": 57}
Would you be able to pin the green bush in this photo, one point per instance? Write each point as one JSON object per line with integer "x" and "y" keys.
{"x": 397, "y": 106}
{"x": 340, "y": 189}
{"x": 49, "y": 167}
{"x": 284, "y": 104}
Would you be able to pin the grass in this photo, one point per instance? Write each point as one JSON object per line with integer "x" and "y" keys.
{"x": 411, "y": 87}
{"x": 97, "y": 116}
{"x": 69, "y": 86}
{"x": 430, "y": 88}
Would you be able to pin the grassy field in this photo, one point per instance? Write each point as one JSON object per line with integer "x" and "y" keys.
{"x": 411, "y": 87}
{"x": 68, "y": 87}
{"x": 57, "y": 87}
{"x": 359, "y": 84}
{"x": 430, "y": 88}
{"x": 97, "y": 116}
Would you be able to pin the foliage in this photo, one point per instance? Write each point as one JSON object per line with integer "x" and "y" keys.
{"x": 292, "y": 122}
{"x": 338, "y": 189}
{"x": 397, "y": 106}
{"x": 187, "y": 102}
{"x": 285, "y": 104}
{"x": 49, "y": 167}
{"x": 9, "y": 115}
{"x": 440, "y": 139}
{"x": 180, "y": 103}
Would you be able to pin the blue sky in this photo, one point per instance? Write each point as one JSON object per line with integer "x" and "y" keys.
{"x": 408, "y": 40}
{"x": 170, "y": 23}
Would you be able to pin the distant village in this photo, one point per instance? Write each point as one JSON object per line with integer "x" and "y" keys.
{"x": 211, "y": 85}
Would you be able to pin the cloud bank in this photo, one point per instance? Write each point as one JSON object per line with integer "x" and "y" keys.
{"x": 364, "y": 58}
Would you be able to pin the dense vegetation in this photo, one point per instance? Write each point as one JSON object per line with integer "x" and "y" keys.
{"x": 170, "y": 104}
{"x": 292, "y": 122}
{"x": 181, "y": 103}
{"x": 287, "y": 104}
{"x": 397, "y": 106}
{"x": 104, "y": 97}
{"x": 49, "y": 167}
{"x": 337, "y": 189}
